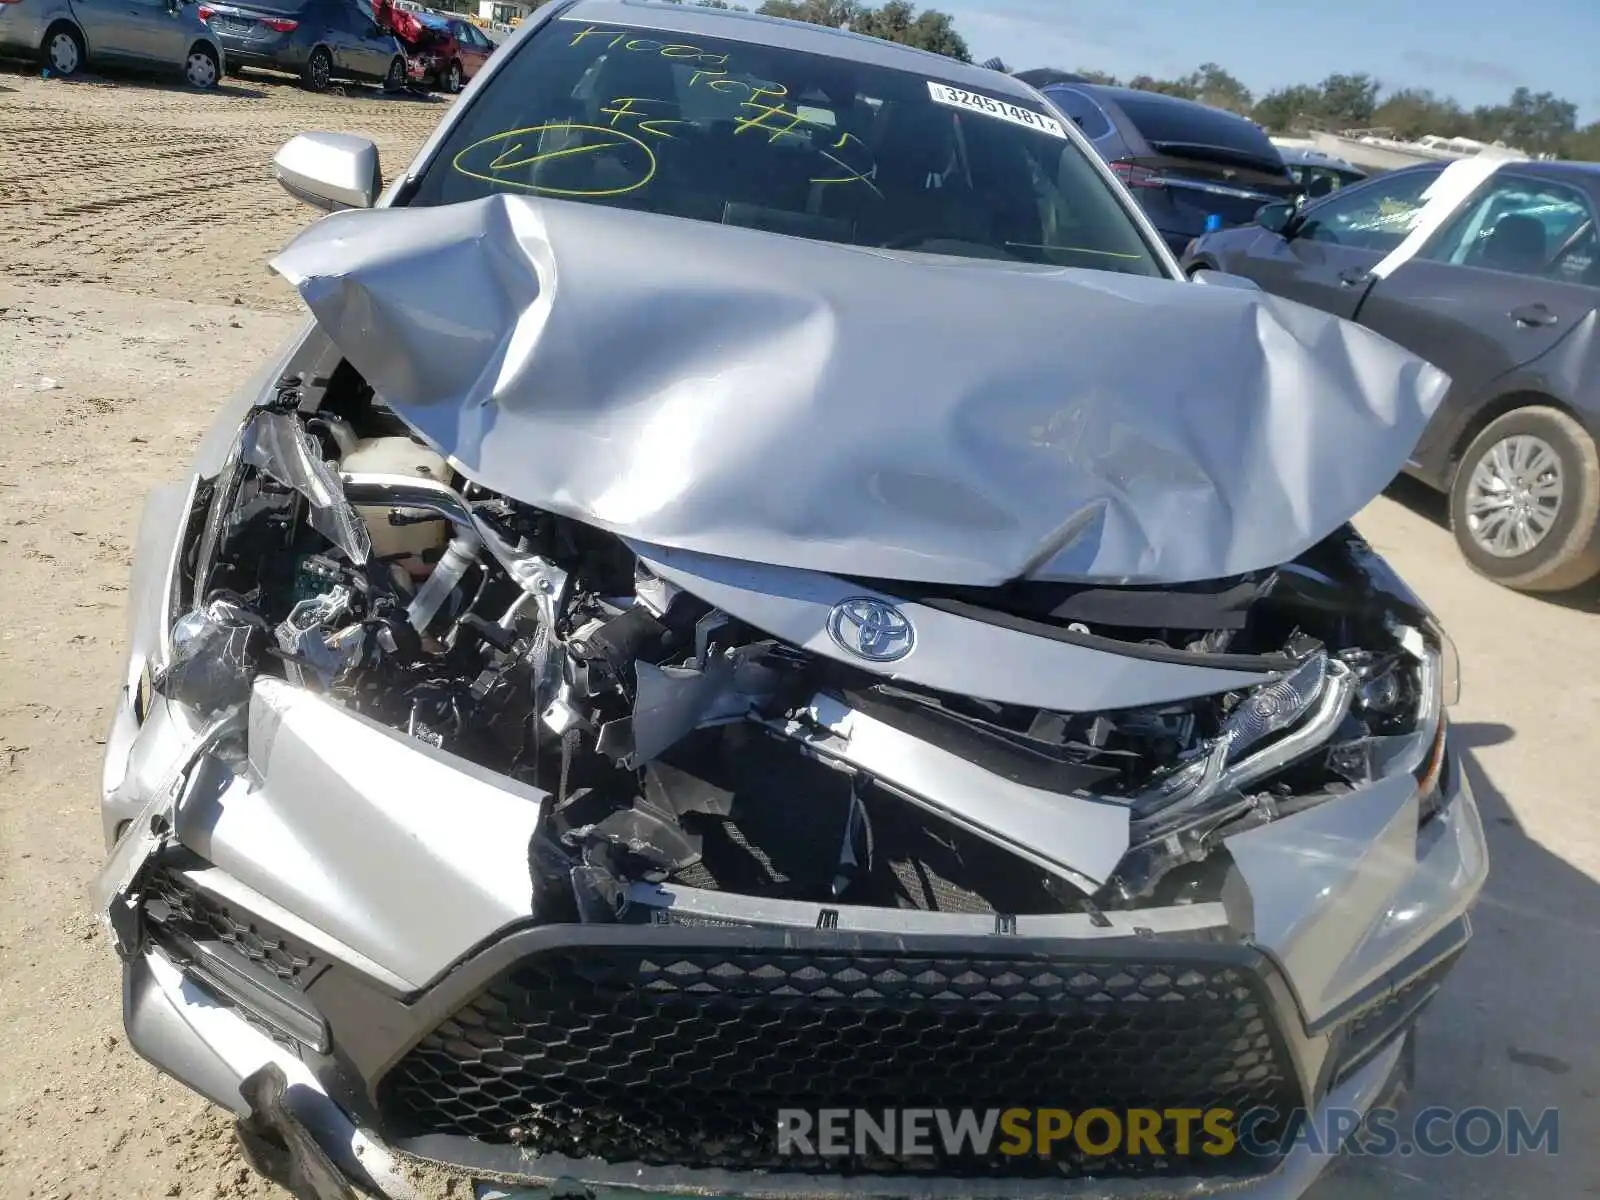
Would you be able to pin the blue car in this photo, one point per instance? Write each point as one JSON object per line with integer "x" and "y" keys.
{"x": 67, "y": 35}
{"x": 319, "y": 40}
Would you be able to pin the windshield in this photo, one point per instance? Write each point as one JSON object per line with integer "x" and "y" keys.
{"x": 789, "y": 142}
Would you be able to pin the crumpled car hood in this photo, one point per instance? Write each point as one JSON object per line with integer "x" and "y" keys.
{"x": 863, "y": 412}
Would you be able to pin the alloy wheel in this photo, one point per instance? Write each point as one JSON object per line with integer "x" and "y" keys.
{"x": 1514, "y": 496}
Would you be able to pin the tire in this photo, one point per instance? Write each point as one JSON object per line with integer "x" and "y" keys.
{"x": 63, "y": 50}
{"x": 396, "y": 80}
{"x": 201, "y": 69}
{"x": 452, "y": 79}
{"x": 319, "y": 70}
{"x": 1525, "y": 502}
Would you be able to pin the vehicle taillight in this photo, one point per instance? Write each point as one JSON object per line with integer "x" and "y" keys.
{"x": 1138, "y": 177}
{"x": 279, "y": 25}
{"x": 205, "y": 11}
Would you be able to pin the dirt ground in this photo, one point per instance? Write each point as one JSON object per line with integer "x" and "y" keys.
{"x": 135, "y": 222}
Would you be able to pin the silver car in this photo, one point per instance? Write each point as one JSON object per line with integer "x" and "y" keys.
{"x": 758, "y": 589}
{"x": 67, "y": 35}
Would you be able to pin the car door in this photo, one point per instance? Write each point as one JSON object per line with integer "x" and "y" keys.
{"x": 378, "y": 45}
{"x": 111, "y": 27}
{"x": 157, "y": 32}
{"x": 349, "y": 29}
{"x": 1511, "y": 275}
{"x": 1324, "y": 255}
{"x": 474, "y": 48}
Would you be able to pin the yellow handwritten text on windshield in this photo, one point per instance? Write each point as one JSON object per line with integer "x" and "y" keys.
{"x": 766, "y": 107}
{"x": 522, "y": 151}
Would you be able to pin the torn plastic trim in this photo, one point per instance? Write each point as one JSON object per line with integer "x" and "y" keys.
{"x": 1078, "y": 838}
{"x": 279, "y": 444}
{"x": 663, "y": 901}
{"x": 178, "y": 1024}
{"x": 149, "y": 832}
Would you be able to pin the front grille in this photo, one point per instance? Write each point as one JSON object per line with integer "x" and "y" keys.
{"x": 682, "y": 1057}
{"x": 177, "y": 905}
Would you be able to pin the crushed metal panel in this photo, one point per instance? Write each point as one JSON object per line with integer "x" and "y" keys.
{"x": 778, "y": 400}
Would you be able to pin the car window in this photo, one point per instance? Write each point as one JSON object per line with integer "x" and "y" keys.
{"x": 1524, "y": 226}
{"x": 790, "y": 142}
{"x": 1306, "y": 174}
{"x": 1088, "y": 115}
{"x": 1376, "y": 216}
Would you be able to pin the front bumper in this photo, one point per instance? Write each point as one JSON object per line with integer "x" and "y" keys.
{"x": 184, "y": 1029}
{"x": 345, "y": 905}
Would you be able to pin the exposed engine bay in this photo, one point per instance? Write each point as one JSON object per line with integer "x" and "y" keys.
{"x": 688, "y": 751}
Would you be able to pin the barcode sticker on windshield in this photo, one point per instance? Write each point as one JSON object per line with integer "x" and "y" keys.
{"x": 943, "y": 93}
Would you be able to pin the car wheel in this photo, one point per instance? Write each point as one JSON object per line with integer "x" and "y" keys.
{"x": 452, "y": 78}
{"x": 319, "y": 70}
{"x": 63, "y": 50}
{"x": 201, "y": 69}
{"x": 395, "y": 80}
{"x": 1525, "y": 502}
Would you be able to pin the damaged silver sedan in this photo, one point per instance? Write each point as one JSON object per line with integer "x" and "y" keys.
{"x": 760, "y": 588}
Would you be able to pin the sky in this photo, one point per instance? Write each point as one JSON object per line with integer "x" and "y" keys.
{"x": 1475, "y": 50}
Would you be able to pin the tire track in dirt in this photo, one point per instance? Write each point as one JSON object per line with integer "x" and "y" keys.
{"x": 169, "y": 192}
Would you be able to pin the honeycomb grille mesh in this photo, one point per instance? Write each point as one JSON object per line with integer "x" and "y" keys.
{"x": 182, "y": 908}
{"x": 682, "y": 1058}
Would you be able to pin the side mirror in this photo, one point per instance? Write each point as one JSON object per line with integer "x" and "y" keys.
{"x": 331, "y": 171}
{"x": 1275, "y": 217}
{"x": 1222, "y": 279}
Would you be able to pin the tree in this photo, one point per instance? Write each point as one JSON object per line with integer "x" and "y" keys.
{"x": 899, "y": 21}
{"x": 1099, "y": 77}
{"x": 1182, "y": 88}
{"x": 1216, "y": 87}
{"x": 1583, "y": 145}
{"x": 1289, "y": 108}
{"x": 1538, "y": 122}
{"x": 817, "y": 12}
{"x": 1417, "y": 112}
{"x": 1348, "y": 100}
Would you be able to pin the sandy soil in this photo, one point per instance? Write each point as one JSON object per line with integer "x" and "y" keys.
{"x": 134, "y": 225}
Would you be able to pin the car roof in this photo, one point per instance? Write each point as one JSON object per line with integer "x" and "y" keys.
{"x": 1106, "y": 91}
{"x": 1573, "y": 172}
{"x": 733, "y": 25}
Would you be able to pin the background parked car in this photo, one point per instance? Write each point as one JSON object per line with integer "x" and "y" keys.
{"x": 151, "y": 34}
{"x": 448, "y": 53}
{"x": 1503, "y": 297}
{"x": 318, "y": 40}
{"x": 1185, "y": 162}
{"x": 1319, "y": 174}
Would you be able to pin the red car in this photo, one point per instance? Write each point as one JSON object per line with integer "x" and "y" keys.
{"x": 441, "y": 52}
